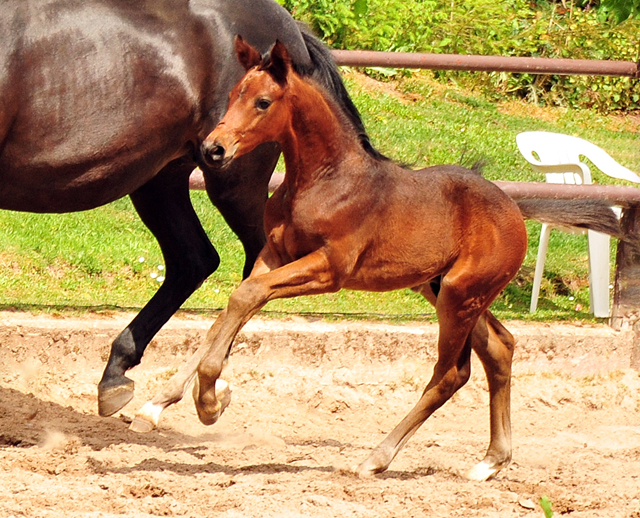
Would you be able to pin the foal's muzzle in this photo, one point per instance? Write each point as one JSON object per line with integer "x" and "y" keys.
{"x": 213, "y": 153}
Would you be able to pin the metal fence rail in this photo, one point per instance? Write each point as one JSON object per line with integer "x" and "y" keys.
{"x": 366, "y": 58}
{"x": 616, "y": 194}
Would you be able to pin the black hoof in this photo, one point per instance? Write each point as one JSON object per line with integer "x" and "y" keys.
{"x": 114, "y": 397}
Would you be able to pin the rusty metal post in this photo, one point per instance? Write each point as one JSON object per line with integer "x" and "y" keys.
{"x": 625, "y": 312}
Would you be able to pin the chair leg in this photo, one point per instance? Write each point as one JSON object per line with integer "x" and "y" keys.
{"x": 545, "y": 231}
{"x": 599, "y": 273}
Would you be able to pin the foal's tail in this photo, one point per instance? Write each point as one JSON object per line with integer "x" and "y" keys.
{"x": 586, "y": 214}
{"x": 325, "y": 72}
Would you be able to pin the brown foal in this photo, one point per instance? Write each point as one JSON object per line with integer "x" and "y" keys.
{"x": 346, "y": 217}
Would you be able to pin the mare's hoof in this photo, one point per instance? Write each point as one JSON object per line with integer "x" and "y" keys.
{"x": 114, "y": 397}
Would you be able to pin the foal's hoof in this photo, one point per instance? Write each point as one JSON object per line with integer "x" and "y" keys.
{"x": 370, "y": 467}
{"x": 114, "y": 397}
{"x": 146, "y": 419}
{"x": 482, "y": 471}
{"x": 209, "y": 416}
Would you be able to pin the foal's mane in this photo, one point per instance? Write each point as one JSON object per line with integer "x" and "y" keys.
{"x": 325, "y": 75}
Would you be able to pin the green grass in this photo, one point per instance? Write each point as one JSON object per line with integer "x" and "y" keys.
{"x": 90, "y": 260}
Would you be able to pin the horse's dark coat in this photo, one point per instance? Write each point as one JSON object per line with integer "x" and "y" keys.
{"x": 101, "y": 99}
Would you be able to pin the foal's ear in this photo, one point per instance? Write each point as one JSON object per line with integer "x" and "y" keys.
{"x": 279, "y": 63}
{"x": 246, "y": 54}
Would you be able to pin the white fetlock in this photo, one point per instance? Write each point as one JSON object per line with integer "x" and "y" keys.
{"x": 364, "y": 472}
{"x": 147, "y": 418}
{"x": 377, "y": 462}
{"x": 223, "y": 394}
{"x": 482, "y": 471}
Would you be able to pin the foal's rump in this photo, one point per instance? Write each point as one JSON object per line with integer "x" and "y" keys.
{"x": 585, "y": 214}
{"x": 468, "y": 193}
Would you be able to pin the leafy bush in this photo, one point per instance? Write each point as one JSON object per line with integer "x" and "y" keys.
{"x": 619, "y": 10}
{"x": 507, "y": 28}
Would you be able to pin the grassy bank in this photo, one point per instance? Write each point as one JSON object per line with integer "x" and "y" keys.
{"x": 106, "y": 257}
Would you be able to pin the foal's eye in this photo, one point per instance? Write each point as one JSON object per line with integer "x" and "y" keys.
{"x": 263, "y": 104}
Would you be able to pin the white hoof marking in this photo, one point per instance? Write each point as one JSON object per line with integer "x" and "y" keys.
{"x": 481, "y": 472}
{"x": 147, "y": 418}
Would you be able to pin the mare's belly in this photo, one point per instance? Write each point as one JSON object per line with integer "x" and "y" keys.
{"x": 74, "y": 186}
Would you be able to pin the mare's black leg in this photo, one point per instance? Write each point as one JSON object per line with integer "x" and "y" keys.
{"x": 240, "y": 193}
{"x": 165, "y": 208}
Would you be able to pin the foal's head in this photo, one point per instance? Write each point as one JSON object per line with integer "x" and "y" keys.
{"x": 258, "y": 110}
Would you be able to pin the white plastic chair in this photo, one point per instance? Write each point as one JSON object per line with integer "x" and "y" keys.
{"x": 557, "y": 156}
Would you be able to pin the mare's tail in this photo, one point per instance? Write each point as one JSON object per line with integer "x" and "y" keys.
{"x": 326, "y": 74}
{"x": 586, "y": 214}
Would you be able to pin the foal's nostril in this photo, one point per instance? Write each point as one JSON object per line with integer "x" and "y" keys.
{"x": 216, "y": 153}
{"x": 212, "y": 153}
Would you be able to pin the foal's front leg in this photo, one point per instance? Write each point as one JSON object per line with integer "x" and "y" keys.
{"x": 310, "y": 275}
{"x": 146, "y": 419}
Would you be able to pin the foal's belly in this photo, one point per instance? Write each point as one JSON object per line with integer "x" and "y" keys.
{"x": 382, "y": 281}
{"x": 390, "y": 276}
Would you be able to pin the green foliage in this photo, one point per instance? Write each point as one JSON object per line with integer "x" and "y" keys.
{"x": 333, "y": 20}
{"x": 507, "y": 28}
{"x": 619, "y": 10}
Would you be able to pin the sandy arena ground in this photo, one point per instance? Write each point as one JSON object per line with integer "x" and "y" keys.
{"x": 310, "y": 400}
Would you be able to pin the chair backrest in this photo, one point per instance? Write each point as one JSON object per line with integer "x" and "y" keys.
{"x": 558, "y": 157}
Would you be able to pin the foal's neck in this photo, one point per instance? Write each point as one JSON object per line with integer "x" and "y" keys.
{"x": 320, "y": 140}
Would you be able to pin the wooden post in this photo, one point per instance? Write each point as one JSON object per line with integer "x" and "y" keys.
{"x": 625, "y": 313}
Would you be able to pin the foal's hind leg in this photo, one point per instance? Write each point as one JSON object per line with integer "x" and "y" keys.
{"x": 452, "y": 370}
{"x": 494, "y": 346}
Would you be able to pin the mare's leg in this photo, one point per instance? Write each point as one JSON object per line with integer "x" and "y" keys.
{"x": 494, "y": 346}
{"x": 306, "y": 276}
{"x": 165, "y": 208}
{"x": 240, "y": 193}
{"x": 459, "y": 303}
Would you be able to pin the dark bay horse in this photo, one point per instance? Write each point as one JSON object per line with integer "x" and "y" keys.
{"x": 105, "y": 98}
